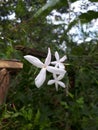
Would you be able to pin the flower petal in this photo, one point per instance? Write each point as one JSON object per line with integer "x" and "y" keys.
{"x": 63, "y": 58}
{"x": 61, "y": 84}
{"x": 60, "y": 65}
{"x": 56, "y": 86}
{"x": 48, "y": 58}
{"x": 54, "y": 62}
{"x": 57, "y": 55}
{"x": 33, "y": 60}
{"x": 51, "y": 82}
{"x": 54, "y": 76}
{"x": 55, "y": 70}
{"x": 61, "y": 76}
{"x": 40, "y": 79}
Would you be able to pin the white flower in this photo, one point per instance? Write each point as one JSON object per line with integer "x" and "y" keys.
{"x": 59, "y": 62}
{"x": 57, "y": 81}
{"x": 41, "y": 77}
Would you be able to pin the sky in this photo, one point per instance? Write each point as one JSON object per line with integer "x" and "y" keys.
{"x": 76, "y": 8}
{"x": 77, "y": 31}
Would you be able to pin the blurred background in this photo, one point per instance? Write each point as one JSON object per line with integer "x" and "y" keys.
{"x": 69, "y": 27}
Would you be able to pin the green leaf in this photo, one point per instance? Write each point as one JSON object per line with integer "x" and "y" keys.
{"x": 20, "y": 9}
{"x": 80, "y": 100}
{"x": 72, "y": 24}
{"x": 71, "y": 95}
{"x": 8, "y": 114}
{"x": 64, "y": 104}
{"x": 87, "y": 17}
{"x": 93, "y": 0}
{"x": 37, "y": 116}
{"x": 84, "y": 17}
{"x": 48, "y": 7}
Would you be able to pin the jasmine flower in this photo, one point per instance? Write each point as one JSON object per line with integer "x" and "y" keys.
{"x": 57, "y": 81}
{"x": 41, "y": 77}
{"x": 59, "y": 61}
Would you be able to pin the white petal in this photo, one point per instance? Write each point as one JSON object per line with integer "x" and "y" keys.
{"x": 63, "y": 58}
{"x": 57, "y": 55}
{"x": 33, "y": 60}
{"x": 55, "y": 70}
{"x": 40, "y": 79}
{"x": 57, "y": 65}
{"x": 61, "y": 84}
{"x": 51, "y": 82}
{"x": 54, "y": 76}
{"x": 61, "y": 76}
{"x": 61, "y": 65}
{"x": 54, "y": 62}
{"x": 56, "y": 86}
{"x": 48, "y": 58}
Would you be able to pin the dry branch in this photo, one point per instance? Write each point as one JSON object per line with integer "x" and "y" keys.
{"x": 30, "y": 51}
{"x": 7, "y": 66}
{"x": 4, "y": 85}
{"x": 10, "y": 64}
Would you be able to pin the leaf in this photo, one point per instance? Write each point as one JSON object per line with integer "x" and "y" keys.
{"x": 8, "y": 114}
{"x": 72, "y": 24}
{"x": 65, "y": 104}
{"x": 87, "y": 17}
{"x": 93, "y": 0}
{"x": 71, "y": 95}
{"x": 20, "y": 9}
{"x": 16, "y": 114}
{"x": 84, "y": 17}
{"x": 80, "y": 100}
{"x": 48, "y": 7}
{"x": 30, "y": 114}
{"x": 37, "y": 116}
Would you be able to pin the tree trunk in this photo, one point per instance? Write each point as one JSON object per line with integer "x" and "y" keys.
{"x": 4, "y": 84}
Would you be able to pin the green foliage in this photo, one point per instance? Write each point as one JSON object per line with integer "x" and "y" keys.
{"x": 22, "y": 119}
{"x": 93, "y": 0}
{"x": 20, "y": 9}
{"x": 48, "y": 7}
{"x": 87, "y": 17}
